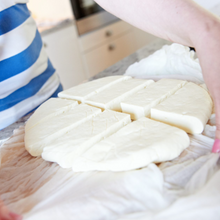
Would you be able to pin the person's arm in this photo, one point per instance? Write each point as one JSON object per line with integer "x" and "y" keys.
{"x": 182, "y": 22}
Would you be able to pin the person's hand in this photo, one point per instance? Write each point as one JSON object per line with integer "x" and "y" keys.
{"x": 5, "y": 214}
{"x": 216, "y": 146}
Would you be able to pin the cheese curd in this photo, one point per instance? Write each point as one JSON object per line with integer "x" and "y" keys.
{"x": 112, "y": 97}
{"x": 86, "y": 90}
{"x": 139, "y": 104}
{"x": 134, "y": 146}
{"x": 189, "y": 109}
{"x": 79, "y": 139}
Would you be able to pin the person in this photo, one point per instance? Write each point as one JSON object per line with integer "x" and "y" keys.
{"x": 178, "y": 21}
{"x": 27, "y": 77}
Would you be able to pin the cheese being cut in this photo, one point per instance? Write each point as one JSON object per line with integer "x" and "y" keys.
{"x": 139, "y": 104}
{"x": 49, "y": 109}
{"x": 189, "y": 109}
{"x": 134, "y": 146}
{"x": 76, "y": 141}
{"x": 83, "y": 137}
{"x": 86, "y": 90}
{"x": 53, "y": 128}
{"x": 111, "y": 97}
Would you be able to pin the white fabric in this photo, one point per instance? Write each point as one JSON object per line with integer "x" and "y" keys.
{"x": 15, "y": 82}
{"x": 42, "y": 190}
{"x": 170, "y": 60}
{"x": 24, "y": 34}
{"x": 4, "y": 4}
{"x": 8, "y": 116}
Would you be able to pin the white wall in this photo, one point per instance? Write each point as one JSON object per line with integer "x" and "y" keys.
{"x": 50, "y": 9}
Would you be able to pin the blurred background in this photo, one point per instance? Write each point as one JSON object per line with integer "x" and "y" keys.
{"x": 82, "y": 39}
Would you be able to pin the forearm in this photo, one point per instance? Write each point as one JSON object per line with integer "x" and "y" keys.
{"x": 208, "y": 51}
{"x": 174, "y": 20}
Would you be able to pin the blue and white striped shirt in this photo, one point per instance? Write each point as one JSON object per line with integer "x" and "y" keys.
{"x": 27, "y": 77}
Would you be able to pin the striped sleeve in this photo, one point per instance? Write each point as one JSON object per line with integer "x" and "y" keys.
{"x": 27, "y": 77}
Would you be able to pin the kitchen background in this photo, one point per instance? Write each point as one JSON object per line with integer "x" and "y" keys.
{"x": 82, "y": 39}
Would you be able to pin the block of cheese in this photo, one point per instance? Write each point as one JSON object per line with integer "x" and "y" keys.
{"x": 86, "y": 90}
{"x": 139, "y": 104}
{"x": 52, "y": 129}
{"x": 134, "y": 146}
{"x": 49, "y": 109}
{"x": 111, "y": 97}
{"x": 79, "y": 139}
{"x": 189, "y": 109}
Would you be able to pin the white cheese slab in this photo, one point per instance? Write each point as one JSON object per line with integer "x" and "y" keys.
{"x": 86, "y": 90}
{"x": 49, "y": 109}
{"x": 111, "y": 98}
{"x": 52, "y": 129}
{"x": 189, "y": 109}
{"x": 134, "y": 146}
{"x": 139, "y": 104}
{"x": 79, "y": 139}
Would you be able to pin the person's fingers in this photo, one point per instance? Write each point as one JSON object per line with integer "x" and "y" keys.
{"x": 15, "y": 216}
{"x": 216, "y": 146}
{"x": 5, "y": 214}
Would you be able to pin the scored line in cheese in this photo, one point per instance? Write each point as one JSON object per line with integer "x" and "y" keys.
{"x": 139, "y": 104}
{"x": 111, "y": 97}
{"x": 50, "y": 108}
{"x": 86, "y": 90}
{"x": 134, "y": 146}
{"x": 79, "y": 139}
{"x": 53, "y": 128}
{"x": 189, "y": 109}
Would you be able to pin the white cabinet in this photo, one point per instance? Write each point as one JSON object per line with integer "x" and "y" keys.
{"x": 79, "y": 58}
{"x": 106, "y": 55}
{"x": 63, "y": 50}
{"x": 106, "y": 46}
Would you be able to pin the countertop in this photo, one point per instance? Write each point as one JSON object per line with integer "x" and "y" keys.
{"x": 116, "y": 69}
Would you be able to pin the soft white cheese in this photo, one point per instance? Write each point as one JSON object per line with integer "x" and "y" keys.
{"x": 86, "y": 90}
{"x": 139, "y": 104}
{"x": 134, "y": 146}
{"x": 189, "y": 109}
{"x": 49, "y": 109}
{"x": 53, "y": 128}
{"x": 73, "y": 143}
{"x": 111, "y": 98}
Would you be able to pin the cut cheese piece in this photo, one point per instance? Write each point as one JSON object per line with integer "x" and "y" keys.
{"x": 112, "y": 97}
{"x": 86, "y": 90}
{"x": 53, "y": 128}
{"x": 189, "y": 109}
{"x": 49, "y": 109}
{"x": 139, "y": 104}
{"x": 134, "y": 146}
{"x": 77, "y": 140}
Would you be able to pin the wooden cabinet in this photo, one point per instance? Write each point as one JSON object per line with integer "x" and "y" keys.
{"x": 63, "y": 50}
